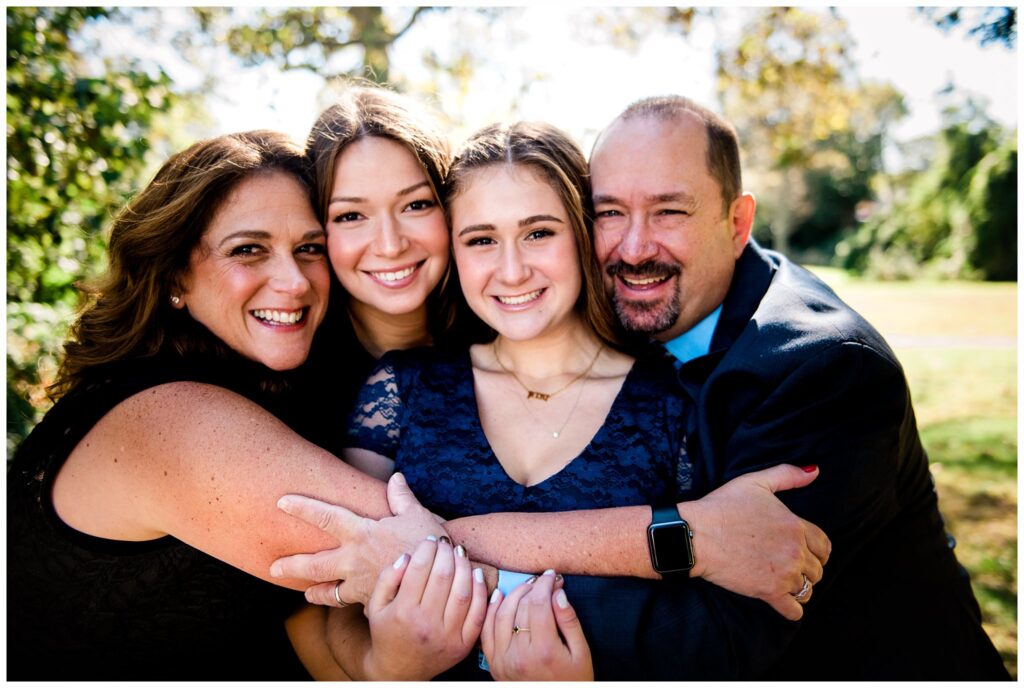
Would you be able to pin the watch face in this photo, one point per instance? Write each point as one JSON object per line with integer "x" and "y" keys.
{"x": 670, "y": 543}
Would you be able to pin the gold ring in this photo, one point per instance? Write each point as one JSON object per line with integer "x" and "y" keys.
{"x": 516, "y": 630}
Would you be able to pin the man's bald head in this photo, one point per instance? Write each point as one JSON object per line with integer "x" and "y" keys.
{"x": 723, "y": 152}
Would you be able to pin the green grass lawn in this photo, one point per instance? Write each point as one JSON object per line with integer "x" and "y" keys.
{"x": 957, "y": 344}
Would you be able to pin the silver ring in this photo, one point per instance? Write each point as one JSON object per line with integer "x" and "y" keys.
{"x": 804, "y": 591}
{"x": 337, "y": 594}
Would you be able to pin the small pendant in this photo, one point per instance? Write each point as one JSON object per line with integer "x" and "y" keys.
{"x": 537, "y": 395}
{"x": 555, "y": 435}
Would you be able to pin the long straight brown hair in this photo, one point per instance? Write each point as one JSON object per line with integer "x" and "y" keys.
{"x": 552, "y": 154}
{"x": 369, "y": 110}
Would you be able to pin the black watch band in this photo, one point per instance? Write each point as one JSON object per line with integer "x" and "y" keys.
{"x": 670, "y": 541}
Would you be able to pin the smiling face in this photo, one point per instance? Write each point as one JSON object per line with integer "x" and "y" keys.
{"x": 258, "y": 279}
{"x": 667, "y": 250}
{"x": 515, "y": 252}
{"x": 387, "y": 236}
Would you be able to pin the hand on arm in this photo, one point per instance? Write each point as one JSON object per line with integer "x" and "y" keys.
{"x": 368, "y": 546}
{"x": 425, "y": 615}
{"x": 747, "y": 541}
{"x": 847, "y": 410}
{"x": 204, "y": 465}
{"x": 534, "y": 635}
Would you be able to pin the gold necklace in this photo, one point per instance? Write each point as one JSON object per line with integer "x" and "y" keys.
{"x": 531, "y": 394}
{"x": 554, "y": 433}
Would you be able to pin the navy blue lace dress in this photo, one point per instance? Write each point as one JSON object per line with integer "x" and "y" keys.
{"x": 419, "y": 408}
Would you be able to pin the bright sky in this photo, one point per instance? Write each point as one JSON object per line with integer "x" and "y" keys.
{"x": 540, "y": 65}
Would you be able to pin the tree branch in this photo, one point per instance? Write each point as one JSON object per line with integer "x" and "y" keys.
{"x": 408, "y": 25}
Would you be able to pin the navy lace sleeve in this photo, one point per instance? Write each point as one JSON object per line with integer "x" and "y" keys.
{"x": 376, "y": 420}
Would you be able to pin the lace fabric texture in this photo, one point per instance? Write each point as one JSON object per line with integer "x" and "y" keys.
{"x": 419, "y": 408}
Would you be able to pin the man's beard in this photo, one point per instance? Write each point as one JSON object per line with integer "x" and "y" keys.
{"x": 645, "y": 317}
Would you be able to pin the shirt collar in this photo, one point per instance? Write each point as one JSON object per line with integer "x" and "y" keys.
{"x": 696, "y": 341}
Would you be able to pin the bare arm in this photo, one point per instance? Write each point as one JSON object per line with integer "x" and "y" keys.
{"x": 307, "y": 631}
{"x": 207, "y": 466}
{"x": 745, "y": 540}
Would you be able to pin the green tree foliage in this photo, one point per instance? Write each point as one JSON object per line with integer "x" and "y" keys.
{"x": 958, "y": 217}
{"x": 812, "y": 131}
{"x": 840, "y": 175}
{"x": 332, "y": 41}
{"x": 76, "y": 146}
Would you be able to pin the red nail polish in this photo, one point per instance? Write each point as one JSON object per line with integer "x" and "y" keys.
{"x": 810, "y": 469}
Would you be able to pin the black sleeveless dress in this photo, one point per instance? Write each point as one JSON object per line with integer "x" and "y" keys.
{"x": 88, "y": 608}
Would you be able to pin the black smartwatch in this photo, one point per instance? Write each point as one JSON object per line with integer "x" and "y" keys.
{"x": 670, "y": 541}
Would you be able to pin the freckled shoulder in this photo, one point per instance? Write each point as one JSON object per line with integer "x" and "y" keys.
{"x": 207, "y": 466}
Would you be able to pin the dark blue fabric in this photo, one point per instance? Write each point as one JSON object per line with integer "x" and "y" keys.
{"x": 796, "y": 376}
{"x": 419, "y": 408}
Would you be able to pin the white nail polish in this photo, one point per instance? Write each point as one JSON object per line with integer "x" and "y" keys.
{"x": 478, "y": 575}
{"x": 398, "y": 562}
{"x": 561, "y": 600}
{"x": 495, "y": 595}
{"x": 432, "y": 538}
{"x": 549, "y": 572}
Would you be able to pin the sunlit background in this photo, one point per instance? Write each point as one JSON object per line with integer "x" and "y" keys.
{"x": 881, "y": 144}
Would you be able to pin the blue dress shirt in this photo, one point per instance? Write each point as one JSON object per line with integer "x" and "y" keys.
{"x": 696, "y": 341}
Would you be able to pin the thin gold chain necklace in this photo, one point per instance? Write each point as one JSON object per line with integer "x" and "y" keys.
{"x": 541, "y": 424}
{"x": 531, "y": 394}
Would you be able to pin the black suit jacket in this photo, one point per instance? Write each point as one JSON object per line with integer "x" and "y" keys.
{"x": 795, "y": 376}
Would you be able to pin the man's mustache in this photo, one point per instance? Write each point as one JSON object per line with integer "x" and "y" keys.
{"x": 649, "y": 268}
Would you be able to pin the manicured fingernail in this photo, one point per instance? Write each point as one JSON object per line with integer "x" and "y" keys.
{"x": 399, "y": 561}
{"x": 558, "y": 577}
{"x": 809, "y": 469}
{"x": 478, "y": 575}
{"x": 284, "y": 504}
{"x": 549, "y": 572}
{"x": 445, "y": 538}
{"x": 561, "y": 600}
{"x": 460, "y": 551}
{"x": 494, "y": 595}
{"x": 531, "y": 579}
{"x": 275, "y": 570}
{"x": 432, "y": 538}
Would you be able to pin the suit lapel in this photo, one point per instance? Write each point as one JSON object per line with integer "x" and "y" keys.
{"x": 753, "y": 275}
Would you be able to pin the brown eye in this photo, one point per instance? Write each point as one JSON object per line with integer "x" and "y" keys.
{"x": 312, "y": 249}
{"x": 347, "y": 217}
{"x": 423, "y": 204}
